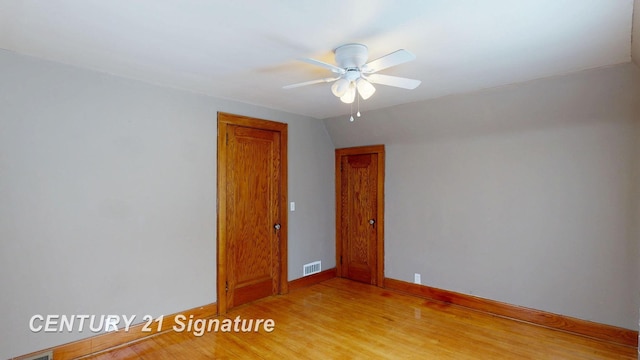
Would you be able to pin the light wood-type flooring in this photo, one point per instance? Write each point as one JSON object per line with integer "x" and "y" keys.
{"x": 342, "y": 319}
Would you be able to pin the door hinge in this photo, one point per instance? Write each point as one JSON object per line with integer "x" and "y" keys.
{"x": 226, "y": 286}
{"x": 227, "y": 136}
{"x": 340, "y": 259}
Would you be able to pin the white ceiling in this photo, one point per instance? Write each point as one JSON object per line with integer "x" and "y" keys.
{"x": 246, "y": 50}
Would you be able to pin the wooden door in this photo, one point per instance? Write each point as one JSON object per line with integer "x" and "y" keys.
{"x": 360, "y": 213}
{"x": 251, "y": 210}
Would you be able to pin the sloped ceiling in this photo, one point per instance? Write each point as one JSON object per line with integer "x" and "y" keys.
{"x": 246, "y": 50}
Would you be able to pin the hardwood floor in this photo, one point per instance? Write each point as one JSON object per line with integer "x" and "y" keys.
{"x": 341, "y": 319}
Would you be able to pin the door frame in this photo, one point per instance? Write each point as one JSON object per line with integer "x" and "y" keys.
{"x": 361, "y": 150}
{"x": 225, "y": 119}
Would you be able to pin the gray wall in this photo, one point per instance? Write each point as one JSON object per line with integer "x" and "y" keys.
{"x": 635, "y": 34}
{"x": 522, "y": 194}
{"x": 636, "y": 221}
{"x": 107, "y": 197}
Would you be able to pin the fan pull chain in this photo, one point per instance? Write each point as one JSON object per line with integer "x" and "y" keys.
{"x": 351, "y": 117}
{"x": 358, "y": 113}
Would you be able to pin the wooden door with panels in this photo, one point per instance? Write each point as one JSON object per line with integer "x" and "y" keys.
{"x": 360, "y": 214}
{"x": 252, "y": 211}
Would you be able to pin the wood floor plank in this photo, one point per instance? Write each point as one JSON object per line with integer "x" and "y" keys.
{"x": 341, "y": 319}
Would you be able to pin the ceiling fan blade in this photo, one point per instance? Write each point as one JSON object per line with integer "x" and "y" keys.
{"x": 395, "y": 58}
{"x": 393, "y": 81}
{"x": 335, "y": 69}
{"x": 318, "y": 81}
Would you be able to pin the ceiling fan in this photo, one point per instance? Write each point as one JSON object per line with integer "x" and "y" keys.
{"x": 355, "y": 75}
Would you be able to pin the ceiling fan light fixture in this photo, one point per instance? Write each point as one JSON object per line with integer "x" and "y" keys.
{"x": 353, "y": 75}
{"x": 365, "y": 88}
{"x": 340, "y": 87}
{"x": 350, "y": 95}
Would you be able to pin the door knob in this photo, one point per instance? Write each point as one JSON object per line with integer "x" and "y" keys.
{"x": 276, "y": 226}
{"x": 372, "y": 221}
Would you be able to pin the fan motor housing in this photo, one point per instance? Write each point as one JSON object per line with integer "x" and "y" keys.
{"x": 351, "y": 55}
